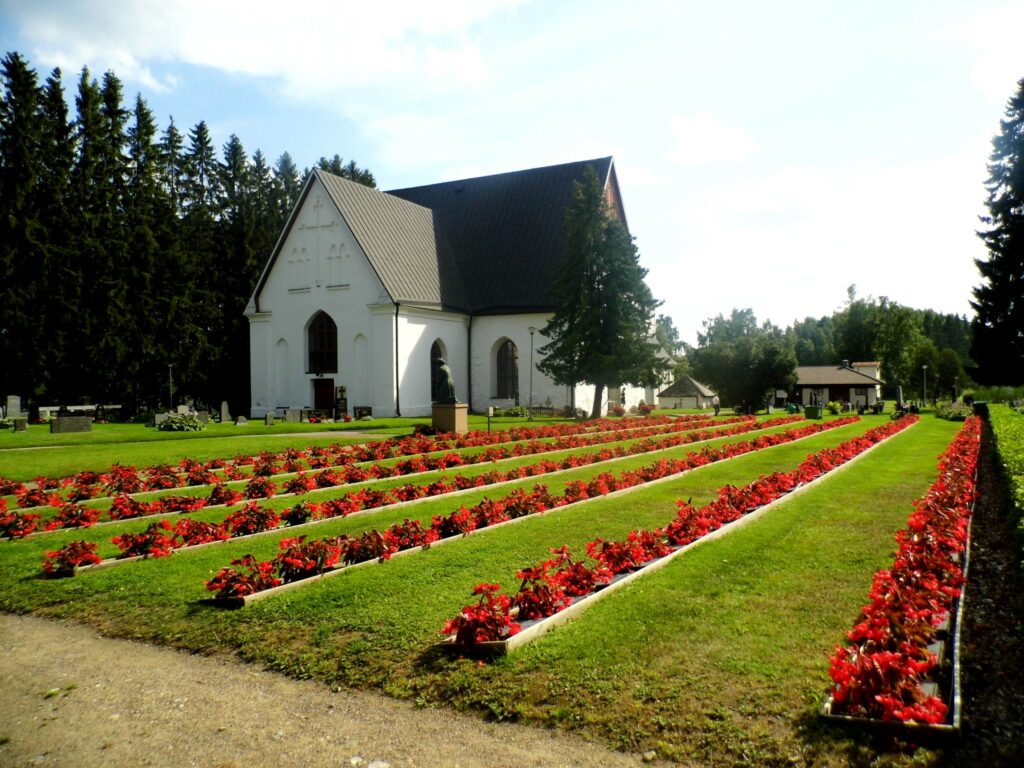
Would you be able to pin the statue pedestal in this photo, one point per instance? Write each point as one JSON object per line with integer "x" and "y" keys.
{"x": 452, "y": 417}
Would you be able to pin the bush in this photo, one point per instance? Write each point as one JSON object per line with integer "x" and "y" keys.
{"x": 515, "y": 410}
{"x": 834, "y": 407}
{"x": 181, "y": 422}
{"x": 995, "y": 394}
{"x": 951, "y": 411}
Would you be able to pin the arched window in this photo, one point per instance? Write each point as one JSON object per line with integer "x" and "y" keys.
{"x": 507, "y": 370}
{"x": 323, "y": 344}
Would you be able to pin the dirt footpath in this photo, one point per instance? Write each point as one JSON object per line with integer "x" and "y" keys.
{"x": 69, "y": 697}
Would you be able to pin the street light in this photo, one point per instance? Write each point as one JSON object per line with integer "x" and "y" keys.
{"x": 170, "y": 388}
{"x": 531, "y": 329}
{"x": 924, "y": 384}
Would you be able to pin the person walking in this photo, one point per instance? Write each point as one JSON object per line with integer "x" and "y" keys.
{"x": 716, "y": 404}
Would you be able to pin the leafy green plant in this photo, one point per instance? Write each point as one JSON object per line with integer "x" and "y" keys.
{"x": 181, "y": 422}
{"x": 953, "y": 411}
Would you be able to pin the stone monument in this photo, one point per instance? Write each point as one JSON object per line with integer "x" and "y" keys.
{"x": 447, "y": 414}
{"x": 225, "y": 414}
{"x": 13, "y": 406}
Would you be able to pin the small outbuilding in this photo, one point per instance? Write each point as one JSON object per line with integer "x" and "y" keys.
{"x": 857, "y": 384}
{"x": 685, "y": 392}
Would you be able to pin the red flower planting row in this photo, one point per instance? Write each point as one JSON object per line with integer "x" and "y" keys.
{"x": 73, "y": 515}
{"x": 555, "y": 584}
{"x": 129, "y": 479}
{"x": 880, "y": 675}
{"x": 372, "y": 545}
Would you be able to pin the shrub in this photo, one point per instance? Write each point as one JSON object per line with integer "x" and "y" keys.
{"x": 834, "y": 407}
{"x": 181, "y": 422}
{"x": 952, "y": 411}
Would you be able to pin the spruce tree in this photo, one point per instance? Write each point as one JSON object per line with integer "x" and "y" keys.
{"x": 600, "y": 333}
{"x": 21, "y": 233}
{"x": 998, "y": 345}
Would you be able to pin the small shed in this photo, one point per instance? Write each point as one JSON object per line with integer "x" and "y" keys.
{"x": 685, "y": 392}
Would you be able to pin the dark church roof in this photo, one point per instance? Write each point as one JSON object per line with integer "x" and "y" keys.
{"x": 486, "y": 245}
{"x": 507, "y": 231}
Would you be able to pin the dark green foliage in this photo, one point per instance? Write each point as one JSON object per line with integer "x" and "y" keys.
{"x": 600, "y": 333}
{"x": 122, "y": 253}
{"x": 998, "y": 327}
{"x": 743, "y": 362}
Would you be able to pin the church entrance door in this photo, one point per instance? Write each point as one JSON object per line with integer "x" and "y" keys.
{"x": 323, "y": 395}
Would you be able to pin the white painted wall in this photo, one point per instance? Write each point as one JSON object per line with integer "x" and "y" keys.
{"x": 418, "y": 329}
{"x": 320, "y": 267}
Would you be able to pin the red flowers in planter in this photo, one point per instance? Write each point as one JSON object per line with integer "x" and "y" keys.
{"x": 300, "y": 559}
{"x": 489, "y": 620}
{"x": 880, "y": 674}
{"x": 158, "y": 540}
{"x": 63, "y": 561}
{"x": 252, "y": 518}
{"x": 260, "y": 488}
{"x": 17, "y": 525}
{"x": 247, "y": 576}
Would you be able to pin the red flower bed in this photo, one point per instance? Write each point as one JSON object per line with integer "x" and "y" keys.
{"x": 880, "y": 674}
{"x": 63, "y": 561}
{"x": 641, "y": 546}
{"x": 542, "y": 592}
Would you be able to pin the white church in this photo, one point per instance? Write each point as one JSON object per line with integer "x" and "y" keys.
{"x": 365, "y": 288}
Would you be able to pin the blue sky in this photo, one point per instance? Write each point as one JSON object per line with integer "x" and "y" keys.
{"x": 769, "y": 154}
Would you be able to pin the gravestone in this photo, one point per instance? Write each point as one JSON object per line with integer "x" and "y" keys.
{"x": 183, "y": 410}
{"x": 241, "y": 421}
{"x": 21, "y": 424}
{"x": 64, "y": 424}
{"x": 203, "y": 416}
{"x": 292, "y": 415}
{"x": 159, "y": 418}
{"x": 268, "y": 419}
{"x": 225, "y": 414}
{"x": 13, "y": 406}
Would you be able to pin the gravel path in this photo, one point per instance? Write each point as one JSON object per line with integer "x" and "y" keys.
{"x": 73, "y": 698}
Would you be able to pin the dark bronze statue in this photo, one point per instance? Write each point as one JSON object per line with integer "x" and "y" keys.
{"x": 442, "y": 384}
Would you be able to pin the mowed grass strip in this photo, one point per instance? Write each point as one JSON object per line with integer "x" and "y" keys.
{"x": 423, "y": 510}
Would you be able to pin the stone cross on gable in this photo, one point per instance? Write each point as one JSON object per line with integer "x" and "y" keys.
{"x": 323, "y": 220}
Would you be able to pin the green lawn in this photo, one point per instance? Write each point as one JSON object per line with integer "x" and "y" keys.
{"x": 719, "y": 658}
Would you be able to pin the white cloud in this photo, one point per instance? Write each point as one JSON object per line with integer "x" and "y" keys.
{"x": 705, "y": 140}
{"x": 314, "y": 49}
{"x": 993, "y": 38}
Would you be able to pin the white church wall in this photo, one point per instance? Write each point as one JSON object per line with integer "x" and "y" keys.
{"x": 418, "y": 329}
{"x": 487, "y": 331}
{"x": 320, "y": 268}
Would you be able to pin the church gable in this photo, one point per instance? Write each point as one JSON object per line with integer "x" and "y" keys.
{"x": 317, "y": 253}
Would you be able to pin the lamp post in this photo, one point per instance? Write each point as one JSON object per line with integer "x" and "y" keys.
{"x": 532, "y": 330}
{"x": 924, "y": 385}
{"x": 170, "y": 388}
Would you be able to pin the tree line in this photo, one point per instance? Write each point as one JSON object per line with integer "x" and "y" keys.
{"x": 127, "y": 254}
{"x": 744, "y": 360}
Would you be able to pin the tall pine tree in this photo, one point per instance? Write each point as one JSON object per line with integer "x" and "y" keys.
{"x": 998, "y": 346}
{"x": 600, "y": 331}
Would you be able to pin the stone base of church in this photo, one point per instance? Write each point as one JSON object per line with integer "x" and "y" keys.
{"x": 451, "y": 418}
